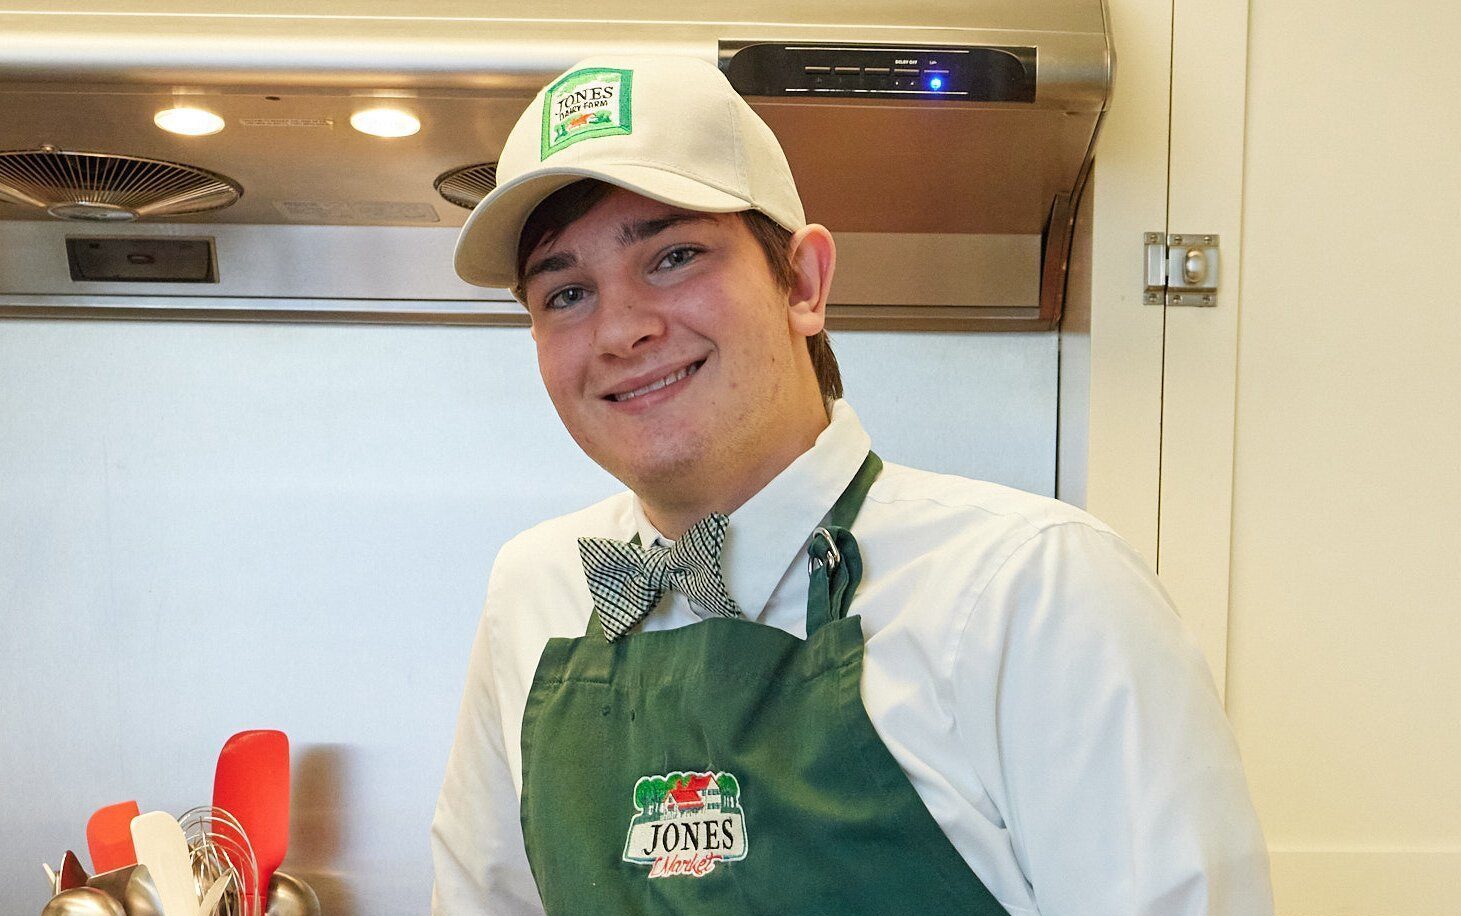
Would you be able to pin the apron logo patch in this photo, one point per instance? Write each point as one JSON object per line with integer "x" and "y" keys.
{"x": 685, "y": 823}
{"x": 586, "y": 103}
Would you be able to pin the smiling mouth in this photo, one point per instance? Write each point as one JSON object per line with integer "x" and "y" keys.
{"x": 671, "y": 379}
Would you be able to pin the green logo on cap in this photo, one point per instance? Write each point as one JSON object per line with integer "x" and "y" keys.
{"x": 583, "y": 104}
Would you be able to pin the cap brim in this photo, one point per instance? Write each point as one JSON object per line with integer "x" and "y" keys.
{"x": 486, "y": 252}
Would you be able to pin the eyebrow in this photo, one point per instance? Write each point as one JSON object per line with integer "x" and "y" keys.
{"x": 552, "y": 262}
{"x": 629, "y": 233}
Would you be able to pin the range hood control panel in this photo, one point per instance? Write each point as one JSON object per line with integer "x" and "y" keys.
{"x": 963, "y": 74}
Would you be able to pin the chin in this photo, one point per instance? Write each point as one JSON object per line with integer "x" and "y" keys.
{"x": 647, "y": 454}
{"x": 656, "y": 472}
{"x": 657, "y": 466}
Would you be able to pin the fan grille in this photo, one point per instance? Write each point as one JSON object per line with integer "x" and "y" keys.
{"x": 466, "y": 186}
{"x": 104, "y": 186}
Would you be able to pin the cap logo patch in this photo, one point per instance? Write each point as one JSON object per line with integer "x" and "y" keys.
{"x": 587, "y": 103}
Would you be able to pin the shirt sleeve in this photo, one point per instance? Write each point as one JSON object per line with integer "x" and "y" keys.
{"x": 1119, "y": 777}
{"x": 481, "y": 867}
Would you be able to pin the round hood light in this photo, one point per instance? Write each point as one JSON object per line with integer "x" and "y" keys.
{"x": 385, "y": 122}
{"x": 190, "y": 122}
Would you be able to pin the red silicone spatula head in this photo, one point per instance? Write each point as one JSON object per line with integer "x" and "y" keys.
{"x": 252, "y": 784}
{"x": 109, "y": 837}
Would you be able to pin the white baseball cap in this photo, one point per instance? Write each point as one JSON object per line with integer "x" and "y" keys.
{"x": 669, "y": 128}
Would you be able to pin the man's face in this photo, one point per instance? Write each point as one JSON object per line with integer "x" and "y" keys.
{"x": 665, "y": 344}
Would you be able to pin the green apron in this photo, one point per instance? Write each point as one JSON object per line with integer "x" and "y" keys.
{"x": 728, "y": 767}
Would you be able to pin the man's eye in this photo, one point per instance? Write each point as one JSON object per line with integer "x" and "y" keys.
{"x": 571, "y": 295}
{"x": 678, "y": 256}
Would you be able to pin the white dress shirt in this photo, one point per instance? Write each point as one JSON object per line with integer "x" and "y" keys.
{"x": 1023, "y": 666}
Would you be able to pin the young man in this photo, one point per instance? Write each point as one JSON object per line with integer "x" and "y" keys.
{"x": 777, "y": 675}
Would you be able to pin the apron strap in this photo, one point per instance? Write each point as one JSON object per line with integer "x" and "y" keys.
{"x": 835, "y": 564}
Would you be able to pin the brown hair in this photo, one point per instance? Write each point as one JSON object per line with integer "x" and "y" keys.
{"x": 565, "y": 206}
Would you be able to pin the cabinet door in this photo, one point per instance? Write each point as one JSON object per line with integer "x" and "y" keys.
{"x": 1111, "y": 344}
{"x": 1204, "y": 196}
{"x": 1157, "y": 450}
{"x": 1310, "y": 427}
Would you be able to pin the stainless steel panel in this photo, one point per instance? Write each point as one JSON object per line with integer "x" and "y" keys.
{"x": 285, "y": 262}
{"x": 503, "y": 55}
{"x": 1051, "y": 15}
{"x": 396, "y": 274}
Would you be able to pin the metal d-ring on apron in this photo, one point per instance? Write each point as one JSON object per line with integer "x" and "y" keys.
{"x": 728, "y": 767}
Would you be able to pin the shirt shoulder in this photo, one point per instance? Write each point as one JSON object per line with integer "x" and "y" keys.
{"x": 954, "y": 503}
{"x": 949, "y": 538}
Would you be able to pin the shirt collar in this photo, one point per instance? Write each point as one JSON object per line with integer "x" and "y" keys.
{"x": 770, "y": 530}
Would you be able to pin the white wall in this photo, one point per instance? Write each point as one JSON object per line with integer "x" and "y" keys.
{"x": 206, "y": 527}
{"x": 1344, "y": 664}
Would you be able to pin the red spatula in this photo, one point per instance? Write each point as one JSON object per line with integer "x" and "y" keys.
{"x": 109, "y": 837}
{"x": 252, "y": 784}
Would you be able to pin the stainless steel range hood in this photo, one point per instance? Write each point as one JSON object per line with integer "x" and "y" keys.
{"x": 952, "y": 205}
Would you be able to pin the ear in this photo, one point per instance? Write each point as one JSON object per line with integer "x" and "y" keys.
{"x": 814, "y": 258}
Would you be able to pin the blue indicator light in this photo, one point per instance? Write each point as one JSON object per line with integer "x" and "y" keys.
{"x": 936, "y": 83}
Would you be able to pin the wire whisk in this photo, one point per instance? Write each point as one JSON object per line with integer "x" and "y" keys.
{"x": 219, "y": 847}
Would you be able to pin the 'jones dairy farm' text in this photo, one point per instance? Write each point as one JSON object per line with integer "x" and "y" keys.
{"x": 573, "y": 102}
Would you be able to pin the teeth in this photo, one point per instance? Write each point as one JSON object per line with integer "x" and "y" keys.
{"x": 656, "y": 386}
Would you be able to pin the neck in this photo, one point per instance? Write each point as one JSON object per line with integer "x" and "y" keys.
{"x": 673, "y": 509}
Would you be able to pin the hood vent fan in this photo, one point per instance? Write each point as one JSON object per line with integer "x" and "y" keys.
{"x": 466, "y": 186}
{"x": 102, "y": 187}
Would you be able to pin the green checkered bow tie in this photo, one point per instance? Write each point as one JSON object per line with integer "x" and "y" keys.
{"x": 626, "y": 579}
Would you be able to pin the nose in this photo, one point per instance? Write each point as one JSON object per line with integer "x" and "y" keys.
{"x": 627, "y": 322}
